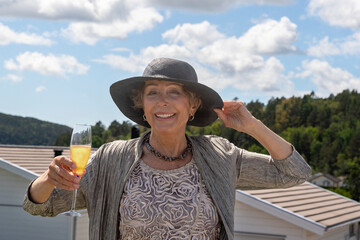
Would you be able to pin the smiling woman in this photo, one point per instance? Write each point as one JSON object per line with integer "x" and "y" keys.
{"x": 165, "y": 184}
{"x": 166, "y": 104}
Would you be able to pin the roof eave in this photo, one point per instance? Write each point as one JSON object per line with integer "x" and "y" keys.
{"x": 15, "y": 169}
{"x": 355, "y": 220}
{"x": 281, "y": 213}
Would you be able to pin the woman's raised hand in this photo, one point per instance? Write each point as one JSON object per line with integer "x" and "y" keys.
{"x": 235, "y": 115}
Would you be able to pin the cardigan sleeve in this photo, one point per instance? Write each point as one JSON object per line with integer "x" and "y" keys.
{"x": 59, "y": 201}
{"x": 257, "y": 171}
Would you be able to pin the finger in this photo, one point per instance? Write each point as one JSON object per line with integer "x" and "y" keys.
{"x": 60, "y": 169}
{"x": 63, "y": 183}
{"x": 65, "y": 161}
{"x": 68, "y": 166}
{"x": 62, "y": 176}
{"x": 232, "y": 105}
{"x": 64, "y": 186}
{"x": 219, "y": 112}
{"x": 222, "y": 116}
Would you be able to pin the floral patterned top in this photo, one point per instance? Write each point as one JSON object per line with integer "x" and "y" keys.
{"x": 167, "y": 204}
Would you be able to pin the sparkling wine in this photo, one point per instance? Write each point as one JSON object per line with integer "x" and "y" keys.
{"x": 80, "y": 155}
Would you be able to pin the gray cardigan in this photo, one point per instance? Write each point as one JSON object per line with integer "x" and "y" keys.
{"x": 223, "y": 166}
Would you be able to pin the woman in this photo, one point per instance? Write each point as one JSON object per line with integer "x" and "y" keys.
{"x": 166, "y": 185}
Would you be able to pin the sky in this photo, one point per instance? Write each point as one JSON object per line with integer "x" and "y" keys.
{"x": 59, "y": 58}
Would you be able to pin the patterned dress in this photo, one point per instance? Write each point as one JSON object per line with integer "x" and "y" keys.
{"x": 167, "y": 204}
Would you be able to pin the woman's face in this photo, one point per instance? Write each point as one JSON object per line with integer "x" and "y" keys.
{"x": 166, "y": 106}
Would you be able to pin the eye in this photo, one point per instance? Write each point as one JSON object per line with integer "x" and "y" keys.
{"x": 151, "y": 92}
{"x": 174, "y": 92}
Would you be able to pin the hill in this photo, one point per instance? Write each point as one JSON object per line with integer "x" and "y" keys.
{"x": 29, "y": 131}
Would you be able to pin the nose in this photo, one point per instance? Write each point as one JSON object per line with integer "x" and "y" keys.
{"x": 163, "y": 99}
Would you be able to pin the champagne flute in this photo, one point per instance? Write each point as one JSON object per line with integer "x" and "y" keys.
{"x": 80, "y": 148}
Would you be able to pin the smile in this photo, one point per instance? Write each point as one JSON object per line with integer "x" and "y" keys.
{"x": 164, "y": 115}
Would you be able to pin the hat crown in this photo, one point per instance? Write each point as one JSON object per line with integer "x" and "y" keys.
{"x": 167, "y": 68}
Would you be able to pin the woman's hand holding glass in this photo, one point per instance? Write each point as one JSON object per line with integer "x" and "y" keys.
{"x": 61, "y": 175}
{"x": 80, "y": 148}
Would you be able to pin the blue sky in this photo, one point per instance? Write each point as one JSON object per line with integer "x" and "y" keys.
{"x": 58, "y": 58}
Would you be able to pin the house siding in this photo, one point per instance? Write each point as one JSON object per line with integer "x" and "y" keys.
{"x": 82, "y": 227}
{"x": 340, "y": 233}
{"x": 16, "y": 224}
{"x": 12, "y": 188}
{"x": 249, "y": 219}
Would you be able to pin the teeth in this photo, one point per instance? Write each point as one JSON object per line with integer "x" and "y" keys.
{"x": 164, "y": 115}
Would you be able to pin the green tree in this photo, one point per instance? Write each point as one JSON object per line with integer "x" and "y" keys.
{"x": 98, "y": 129}
{"x": 63, "y": 139}
{"x": 288, "y": 114}
{"x": 115, "y": 128}
{"x": 256, "y": 108}
{"x": 353, "y": 180}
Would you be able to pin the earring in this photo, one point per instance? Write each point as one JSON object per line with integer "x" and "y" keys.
{"x": 191, "y": 118}
{"x": 144, "y": 117}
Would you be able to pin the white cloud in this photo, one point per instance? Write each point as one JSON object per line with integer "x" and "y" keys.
{"x": 139, "y": 19}
{"x": 40, "y": 89}
{"x": 82, "y": 10}
{"x": 212, "y": 5}
{"x": 8, "y": 36}
{"x": 344, "y": 13}
{"x": 46, "y": 65}
{"x": 14, "y": 78}
{"x": 237, "y": 61}
{"x": 351, "y": 45}
{"x": 323, "y": 48}
{"x": 103, "y": 10}
{"x": 120, "y": 49}
{"x": 137, "y": 63}
{"x": 271, "y": 37}
{"x": 345, "y": 46}
{"x": 327, "y": 78}
{"x": 193, "y": 35}
{"x": 91, "y": 20}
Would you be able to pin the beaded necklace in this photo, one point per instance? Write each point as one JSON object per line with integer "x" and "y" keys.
{"x": 164, "y": 157}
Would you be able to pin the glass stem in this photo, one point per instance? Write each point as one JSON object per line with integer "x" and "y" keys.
{"x": 74, "y": 200}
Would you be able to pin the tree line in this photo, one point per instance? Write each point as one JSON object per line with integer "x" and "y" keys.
{"x": 326, "y": 131}
{"x": 28, "y": 131}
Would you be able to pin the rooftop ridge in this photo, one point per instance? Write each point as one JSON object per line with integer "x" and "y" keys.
{"x": 32, "y": 146}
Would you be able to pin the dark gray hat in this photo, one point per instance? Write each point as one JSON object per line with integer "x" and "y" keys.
{"x": 173, "y": 70}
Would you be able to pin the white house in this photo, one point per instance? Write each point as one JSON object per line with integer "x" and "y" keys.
{"x": 19, "y": 165}
{"x": 304, "y": 212}
{"x": 298, "y": 213}
{"x": 326, "y": 180}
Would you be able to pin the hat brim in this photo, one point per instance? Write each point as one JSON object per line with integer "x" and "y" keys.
{"x": 121, "y": 93}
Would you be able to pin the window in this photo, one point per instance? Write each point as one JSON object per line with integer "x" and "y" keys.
{"x": 352, "y": 230}
{"x": 326, "y": 183}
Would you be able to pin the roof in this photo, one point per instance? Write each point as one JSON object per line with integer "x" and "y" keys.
{"x": 307, "y": 205}
{"x": 29, "y": 161}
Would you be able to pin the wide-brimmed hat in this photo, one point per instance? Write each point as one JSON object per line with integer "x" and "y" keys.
{"x": 167, "y": 69}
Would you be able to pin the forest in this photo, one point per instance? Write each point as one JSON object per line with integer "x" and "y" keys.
{"x": 29, "y": 131}
{"x": 326, "y": 131}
